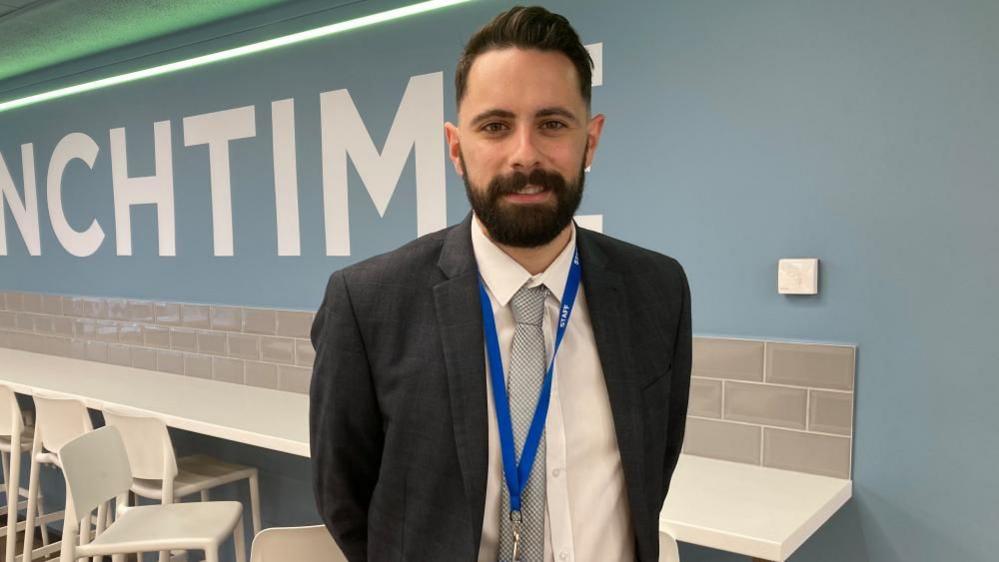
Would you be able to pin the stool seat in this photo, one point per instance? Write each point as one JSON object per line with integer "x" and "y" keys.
{"x": 195, "y": 473}
{"x": 187, "y": 526}
{"x": 27, "y": 436}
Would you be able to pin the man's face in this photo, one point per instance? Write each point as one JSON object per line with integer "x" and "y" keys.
{"x": 523, "y": 140}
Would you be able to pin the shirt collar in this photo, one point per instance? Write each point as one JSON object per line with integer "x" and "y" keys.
{"x": 502, "y": 274}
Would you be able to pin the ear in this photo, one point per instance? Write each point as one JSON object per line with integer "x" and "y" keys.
{"x": 593, "y": 130}
{"x": 451, "y": 133}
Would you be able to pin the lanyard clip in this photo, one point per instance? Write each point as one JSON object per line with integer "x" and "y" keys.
{"x": 515, "y": 528}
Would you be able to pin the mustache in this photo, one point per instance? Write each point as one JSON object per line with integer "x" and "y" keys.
{"x": 512, "y": 183}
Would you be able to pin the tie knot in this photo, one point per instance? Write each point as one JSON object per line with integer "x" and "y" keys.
{"x": 528, "y": 305}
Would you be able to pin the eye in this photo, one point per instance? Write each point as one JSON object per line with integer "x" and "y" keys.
{"x": 553, "y": 125}
{"x": 494, "y": 127}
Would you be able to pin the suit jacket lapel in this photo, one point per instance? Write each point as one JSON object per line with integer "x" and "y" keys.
{"x": 608, "y": 307}
{"x": 459, "y": 320}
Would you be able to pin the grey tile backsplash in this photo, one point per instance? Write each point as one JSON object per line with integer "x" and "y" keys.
{"x": 255, "y": 346}
{"x": 778, "y": 404}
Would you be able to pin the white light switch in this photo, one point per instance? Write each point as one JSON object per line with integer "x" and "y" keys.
{"x": 798, "y": 276}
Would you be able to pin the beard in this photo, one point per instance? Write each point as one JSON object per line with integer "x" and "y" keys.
{"x": 525, "y": 225}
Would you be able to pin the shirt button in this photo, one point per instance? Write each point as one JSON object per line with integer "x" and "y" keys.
{"x": 563, "y": 555}
{"x": 555, "y": 473}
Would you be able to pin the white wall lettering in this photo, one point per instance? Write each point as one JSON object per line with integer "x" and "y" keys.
{"x": 417, "y": 127}
{"x": 150, "y": 190}
{"x": 216, "y": 130}
{"x": 25, "y": 212}
{"x": 285, "y": 178}
{"x": 74, "y": 146}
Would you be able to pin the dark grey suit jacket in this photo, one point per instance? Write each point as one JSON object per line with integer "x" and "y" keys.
{"x": 398, "y": 398}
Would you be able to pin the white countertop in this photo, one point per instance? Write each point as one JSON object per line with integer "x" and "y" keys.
{"x": 272, "y": 419}
{"x": 752, "y": 510}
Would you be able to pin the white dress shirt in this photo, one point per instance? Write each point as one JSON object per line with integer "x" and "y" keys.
{"x": 587, "y": 517}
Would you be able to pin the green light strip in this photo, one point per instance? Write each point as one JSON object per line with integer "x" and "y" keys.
{"x": 299, "y": 37}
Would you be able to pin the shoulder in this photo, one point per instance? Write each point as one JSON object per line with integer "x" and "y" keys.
{"x": 632, "y": 261}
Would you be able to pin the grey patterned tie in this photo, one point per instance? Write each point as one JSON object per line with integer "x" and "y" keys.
{"x": 528, "y": 364}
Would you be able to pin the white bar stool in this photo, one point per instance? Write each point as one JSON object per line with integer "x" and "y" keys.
{"x": 97, "y": 471}
{"x": 14, "y": 430}
{"x": 158, "y": 475}
{"x": 669, "y": 551}
{"x": 57, "y": 422}
{"x": 301, "y": 544}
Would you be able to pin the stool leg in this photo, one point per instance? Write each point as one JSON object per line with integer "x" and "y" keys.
{"x": 255, "y": 503}
{"x": 13, "y": 491}
{"x": 239, "y": 541}
{"x": 41, "y": 513}
{"x": 6, "y": 479}
{"x": 212, "y": 553}
{"x": 29, "y": 526}
{"x": 204, "y": 495}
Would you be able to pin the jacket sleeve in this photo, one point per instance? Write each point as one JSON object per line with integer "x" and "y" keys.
{"x": 680, "y": 385}
{"x": 344, "y": 422}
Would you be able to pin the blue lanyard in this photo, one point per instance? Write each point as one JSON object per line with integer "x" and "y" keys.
{"x": 517, "y": 475}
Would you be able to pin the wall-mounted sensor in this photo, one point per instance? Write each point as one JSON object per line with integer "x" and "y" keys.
{"x": 798, "y": 276}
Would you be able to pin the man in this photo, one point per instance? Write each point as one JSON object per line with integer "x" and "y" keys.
{"x": 435, "y": 361}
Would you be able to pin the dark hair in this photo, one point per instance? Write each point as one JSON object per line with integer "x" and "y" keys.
{"x": 527, "y": 28}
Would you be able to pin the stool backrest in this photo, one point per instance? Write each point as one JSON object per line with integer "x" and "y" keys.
{"x": 60, "y": 420}
{"x": 147, "y": 442}
{"x": 10, "y": 413}
{"x": 301, "y": 544}
{"x": 96, "y": 469}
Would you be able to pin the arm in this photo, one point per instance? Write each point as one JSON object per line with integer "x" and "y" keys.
{"x": 344, "y": 422}
{"x": 680, "y": 385}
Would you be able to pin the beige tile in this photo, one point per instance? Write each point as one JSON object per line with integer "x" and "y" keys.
{"x": 31, "y": 302}
{"x": 294, "y": 379}
{"x": 167, "y": 313}
{"x": 94, "y": 307}
{"x": 118, "y": 309}
{"x": 807, "y": 452}
{"x": 705, "y": 397}
{"x": 120, "y": 355}
{"x": 57, "y": 346}
{"x": 184, "y": 340}
{"x": 8, "y": 320}
{"x": 294, "y": 324}
{"x": 106, "y": 330}
{"x": 130, "y": 333}
{"x": 74, "y": 306}
{"x": 244, "y": 346}
{"x": 84, "y": 328}
{"x": 830, "y": 412}
{"x": 723, "y": 440}
{"x": 52, "y": 304}
{"x": 259, "y": 321}
{"x": 819, "y": 366}
{"x": 3, "y": 300}
{"x": 143, "y": 358}
{"x": 25, "y": 322}
{"x": 305, "y": 354}
{"x": 227, "y": 370}
{"x": 170, "y": 361}
{"x": 140, "y": 311}
{"x": 198, "y": 366}
{"x": 264, "y": 375}
{"x": 728, "y": 359}
{"x": 196, "y": 316}
{"x": 766, "y": 404}
{"x": 212, "y": 342}
{"x": 97, "y": 351}
{"x": 156, "y": 336}
{"x": 278, "y": 350}
{"x": 62, "y": 326}
{"x": 227, "y": 318}
{"x": 14, "y": 301}
{"x": 43, "y": 324}
{"x": 4, "y": 339}
{"x": 78, "y": 349}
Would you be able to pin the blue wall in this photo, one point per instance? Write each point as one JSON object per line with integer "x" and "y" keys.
{"x": 862, "y": 133}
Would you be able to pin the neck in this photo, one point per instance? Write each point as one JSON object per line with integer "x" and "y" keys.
{"x": 536, "y": 260}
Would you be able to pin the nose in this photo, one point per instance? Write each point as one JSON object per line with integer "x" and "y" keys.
{"x": 526, "y": 155}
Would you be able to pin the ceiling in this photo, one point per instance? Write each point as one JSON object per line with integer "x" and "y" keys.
{"x": 35, "y": 34}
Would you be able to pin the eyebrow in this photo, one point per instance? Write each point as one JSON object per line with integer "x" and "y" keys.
{"x": 506, "y": 114}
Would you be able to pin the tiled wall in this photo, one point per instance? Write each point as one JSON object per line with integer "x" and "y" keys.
{"x": 260, "y": 347}
{"x": 784, "y": 405}
{"x": 777, "y": 404}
